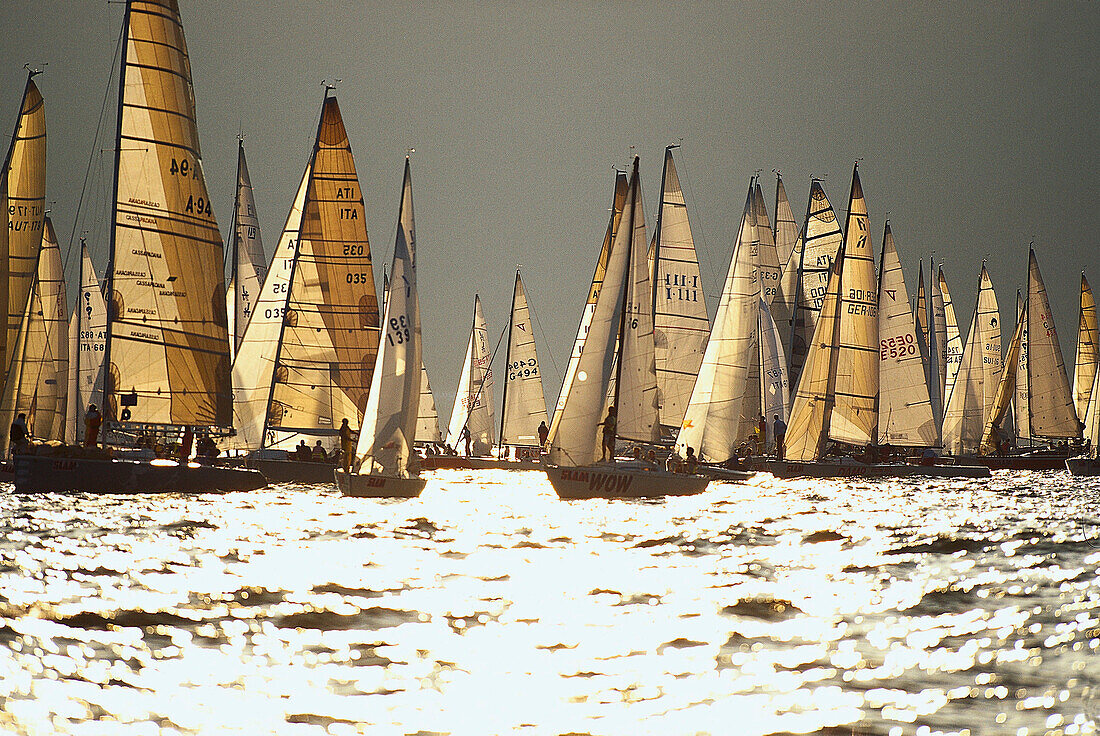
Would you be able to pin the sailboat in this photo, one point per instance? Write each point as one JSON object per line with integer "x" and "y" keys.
{"x": 472, "y": 412}
{"x": 427, "y": 418}
{"x": 308, "y": 353}
{"x": 838, "y": 393}
{"x": 786, "y": 237}
{"x": 167, "y": 346}
{"x": 248, "y": 263}
{"x": 383, "y": 466}
{"x": 87, "y": 343}
{"x": 1088, "y": 350}
{"x": 524, "y": 406}
{"x": 620, "y": 335}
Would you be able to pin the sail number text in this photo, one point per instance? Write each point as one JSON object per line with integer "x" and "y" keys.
{"x": 397, "y": 331}
{"x": 898, "y": 347}
{"x": 522, "y": 369}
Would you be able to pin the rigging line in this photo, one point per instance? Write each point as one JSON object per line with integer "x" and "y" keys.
{"x": 91, "y": 157}
{"x": 545, "y": 340}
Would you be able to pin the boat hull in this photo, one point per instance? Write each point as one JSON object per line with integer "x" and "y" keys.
{"x": 456, "y": 462}
{"x": 1044, "y": 461}
{"x": 45, "y": 474}
{"x": 789, "y": 469}
{"x": 378, "y": 486}
{"x": 607, "y": 481}
{"x": 293, "y": 471}
{"x": 727, "y": 474}
{"x": 1083, "y": 465}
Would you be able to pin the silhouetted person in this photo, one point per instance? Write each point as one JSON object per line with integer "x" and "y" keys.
{"x": 690, "y": 461}
{"x": 610, "y": 428}
{"x": 347, "y": 445}
{"x": 464, "y": 435}
{"x": 186, "y": 443}
{"x": 92, "y": 422}
{"x": 779, "y": 428}
{"x": 19, "y": 434}
{"x": 319, "y": 454}
{"x": 544, "y": 432}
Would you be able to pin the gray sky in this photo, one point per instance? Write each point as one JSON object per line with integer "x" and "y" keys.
{"x": 977, "y": 125}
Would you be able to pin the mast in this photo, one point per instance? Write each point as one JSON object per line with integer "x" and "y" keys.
{"x": 232, "y": 252}
{"x": 507, "y": 365}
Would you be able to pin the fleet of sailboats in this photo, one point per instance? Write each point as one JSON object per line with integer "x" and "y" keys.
{"x": 809, "y": 334}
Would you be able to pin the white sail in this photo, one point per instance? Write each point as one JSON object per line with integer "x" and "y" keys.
{"x": 87, "y": 341}
{"x": 593, "y": 294}
{"x": 1092, "y": 418}
{"x": 24, "y": 181}
{"x": 427, "y": 420}
{"x": 254, "y": 364}
{"x": 937, "y": 345}
{"x": 904, "y": 411}
{"x": 330, "y": 331}
{"x": 1051, "y": 408}
{"x": 681, "y": 324}
{"x": 971, "y": 400}
{"x": 167, "y": 335}
{"x": 808, "y": 428}
{"x": 1022, "y": 399}
{"x": 524, "y": 401}
{"x": 785, "y": 231}
{"x": 770, "y": 266}
{"x": 574, "y": 437}
{"x": 248, "y": 260}
{"x": 854, "y": 416}
{"x": 821, "y": 241}
{"x": 783, "y": 306}
{"x": 920, "y": 314}
{"x": 473, "y": 407}
{"x": 1088, "y": 350}
{"x": 725, "y": 402}
{"x": 773, "y": 372}
{"x": 953, "y": 347}
{"x": 636, "y": 374}
{"x": 389, "y": 421}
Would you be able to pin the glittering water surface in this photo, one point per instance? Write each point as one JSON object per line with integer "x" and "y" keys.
{"x": 488, "y": 606}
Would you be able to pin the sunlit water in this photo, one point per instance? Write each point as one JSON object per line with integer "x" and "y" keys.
{"x": 488, "y": 606}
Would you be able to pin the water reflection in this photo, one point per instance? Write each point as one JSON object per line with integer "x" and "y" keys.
{"x": 488, "y": 606}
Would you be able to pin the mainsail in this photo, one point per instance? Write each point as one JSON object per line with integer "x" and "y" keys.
{"x": 87, "y": 341}
{"x": 24, "y": 181}
{"x": 971, "y": 401}
{"x": 952, "y": 348}
{"x": 389, "y": 421}
{"x": 725, "y": 402}
{"x": 248, "y": 263}
{"x": 937, "y": 345}
{"x": 330, "y": 328}
{"x": 680, "y": 316}
{"x": 1051, "y": 408}
{"x": 995, "y": 434}
{"x": 167, "y": 337}
{"x": 904, "y": 410}
{"x": 524, "y": 405}
{"x": 821, "y": 240}
{"x": 785, "y": 232}
{"x": 1088, "y": 352}
{"x": 427, "y": 418}
{"x": 573, "y": 438}
{"x": 254, "y": 364}
{"x": 770, "y": 266}
{"x": 786, "y": 237}
{"x": 473, "y": 407}
{"x": 773, "y": 372}
{"x": 854, "y": 415}
{"x": 1022, "y": 399}
{"x": 593, "y": 294}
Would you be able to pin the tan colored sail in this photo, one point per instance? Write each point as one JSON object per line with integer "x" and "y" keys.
{"x": 770, "y": 267}
{"x": 953, "y": 347}
{"x": 473, "y": 407}
{"x": 1088, "y": 350}
{"x": 681, "y": 324}
{"x": 821, "y": 241}
{"x": 618, "y": 202}
{"x": 331, "y": 326}
{"x": 904, "y": 410}
{"x": 1021, "y": 401}
{"x": 168, "y": 341}
{"x": 1051, "y": 409}
{"x": 87, "y": 341}
{"x": 854, "y": 416}
{"x": 808, "y": 428}
{"x": 25, "y": 185}
{"x": 725, "y": 402}
{"x": 971, "y": 401}
{"x": 785, "y": 232}
{"x": 994, "y": 431}
{"x": 524, "y": 406}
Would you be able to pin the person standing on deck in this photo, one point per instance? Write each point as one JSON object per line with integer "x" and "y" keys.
{"x": 186, "y": 443}
{"x": 779, "y": 428}
{"x": 347, "y": 445}
{"x": 92, "y": 422}
{"x": 609, "y": 430}
{"x": 544, "y": 432}
{"x": 19, "y": 434}
{"x": 465, "y": 436}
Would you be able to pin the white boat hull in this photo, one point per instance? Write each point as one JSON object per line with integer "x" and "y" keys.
{"x": 378, "y": 486}
{"x": 607, "y": 481}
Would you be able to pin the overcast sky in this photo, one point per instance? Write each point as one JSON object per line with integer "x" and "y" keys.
{"x": 977, "y": 126}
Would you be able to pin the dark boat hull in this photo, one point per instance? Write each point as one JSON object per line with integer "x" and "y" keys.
{"x": 457, "y": 462}
{"x": 1083, "y": 465}
{"x": 378, "y": 486}
{"x": 1045, "y": 461}
{"x": 727, "y": 474}
{"x": 790, "y": 469}
{"x": 293, "y": 471}
{"x": 607, "y": 481}
{"x": 45, "y": 474}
